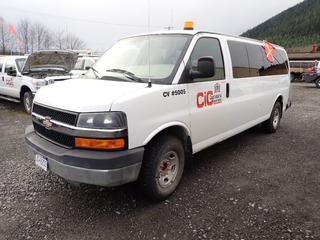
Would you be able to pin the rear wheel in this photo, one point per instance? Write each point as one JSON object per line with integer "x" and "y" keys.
{"x": 317, "y": 82}
{"x": 27, "y": 101}
{"x": 272, "y": 124}
{"x": 162, "y": 167}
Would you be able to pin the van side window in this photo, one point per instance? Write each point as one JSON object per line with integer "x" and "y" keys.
{"x": 208, "y": 47}
{"x": 279, "y": 67}
{"x": 239, "y": 58}
{"x": 255, "y": 59}
{"x": 9, "y": 64}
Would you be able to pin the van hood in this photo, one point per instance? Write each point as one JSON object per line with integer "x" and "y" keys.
{"x": 50, "y": 59}
{"x": 85, "y": 95}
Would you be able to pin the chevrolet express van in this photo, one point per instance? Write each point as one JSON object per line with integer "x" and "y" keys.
{"x": 153, "y": 100}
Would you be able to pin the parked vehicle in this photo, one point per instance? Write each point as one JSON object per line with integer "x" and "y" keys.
{"x": 313, "y": 76}
{"x": 297, "y": 68}
{"x": 21, "y": 77}
{"x": 153, "y": 100}
{"x": 82, "y": 65}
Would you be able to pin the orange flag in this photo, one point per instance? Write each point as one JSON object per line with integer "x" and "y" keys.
{"x": 11, "y": 29}
{"x": 269, "y": 50}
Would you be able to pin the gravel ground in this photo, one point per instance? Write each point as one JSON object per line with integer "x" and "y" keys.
{"x": 252, "y": 186}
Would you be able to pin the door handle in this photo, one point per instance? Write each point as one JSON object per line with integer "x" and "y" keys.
{"x": 228, "y": 90}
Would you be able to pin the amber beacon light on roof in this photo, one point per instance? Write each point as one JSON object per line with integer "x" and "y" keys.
{"x": 188, "y": 25}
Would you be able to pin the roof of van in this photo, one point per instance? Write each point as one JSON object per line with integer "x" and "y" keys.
{"x": 195, "y": 32}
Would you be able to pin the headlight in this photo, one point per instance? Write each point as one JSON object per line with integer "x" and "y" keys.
{"x": 39, "y": 83}
{"x": 109, "y": 120}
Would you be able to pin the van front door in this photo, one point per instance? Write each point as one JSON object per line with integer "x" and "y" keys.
{"x": 207, "y": 96}
{"x": 11, "y": 80}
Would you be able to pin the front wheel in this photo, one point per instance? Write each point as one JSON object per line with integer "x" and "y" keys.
{"x": 27, "y": 101}
{"x": 271, "y": 125}
{"x": 162, "y": 167}
{"x": 317, "y": 82}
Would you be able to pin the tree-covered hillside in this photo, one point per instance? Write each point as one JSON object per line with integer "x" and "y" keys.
{"x": 298, "y": 26}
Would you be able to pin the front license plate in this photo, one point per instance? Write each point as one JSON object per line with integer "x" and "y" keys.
{"x": 41, "y": 162}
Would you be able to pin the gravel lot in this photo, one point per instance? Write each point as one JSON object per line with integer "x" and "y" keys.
{"x": 252, "y": 186}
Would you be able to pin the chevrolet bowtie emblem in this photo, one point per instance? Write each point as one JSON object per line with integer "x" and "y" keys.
{"x": 47, "y": 122}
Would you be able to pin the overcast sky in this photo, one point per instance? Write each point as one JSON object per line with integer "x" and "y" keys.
{"x": 101, "y": 22}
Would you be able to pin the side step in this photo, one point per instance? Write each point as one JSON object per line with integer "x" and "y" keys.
{"x": 10, "y": 99}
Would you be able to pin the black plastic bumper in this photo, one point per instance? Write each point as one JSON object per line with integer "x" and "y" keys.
{"x": 87, "y": 166}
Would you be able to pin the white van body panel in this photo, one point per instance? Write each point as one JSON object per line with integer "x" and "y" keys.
{"x": 148, "y": 112}
{"x": 87, "y": 95}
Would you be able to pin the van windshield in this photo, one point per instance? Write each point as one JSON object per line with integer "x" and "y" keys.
{"x": 139, "y": 58}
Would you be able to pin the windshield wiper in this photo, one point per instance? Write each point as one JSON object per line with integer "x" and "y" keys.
{"x": 95, "y": 72}
{"x": 126, "y": 73}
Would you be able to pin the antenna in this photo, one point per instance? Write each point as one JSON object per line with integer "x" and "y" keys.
{"x": 149, "y": 80}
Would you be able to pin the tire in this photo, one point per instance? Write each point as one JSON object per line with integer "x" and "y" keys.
{"x": 317, "y": 82}
{"x": 162, "y": 167}
{"x": 27, "y": 101}
{"x": 271, "y": 125}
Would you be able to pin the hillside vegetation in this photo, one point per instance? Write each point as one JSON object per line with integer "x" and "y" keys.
{"x": 298, "y": 26}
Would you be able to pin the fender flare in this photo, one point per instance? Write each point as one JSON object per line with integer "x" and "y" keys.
{"x": 165, "y": 126}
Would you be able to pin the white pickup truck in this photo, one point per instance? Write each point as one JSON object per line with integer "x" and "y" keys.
{"x": 153, "y": 100}
{"x": 21, "y": 76}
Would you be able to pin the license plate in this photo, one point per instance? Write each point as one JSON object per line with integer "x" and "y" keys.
{"x": 41, "y": 162}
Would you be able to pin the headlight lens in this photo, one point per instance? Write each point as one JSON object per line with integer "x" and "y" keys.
{"x": 109, "y": 120}
{"x": 39, "y": 83}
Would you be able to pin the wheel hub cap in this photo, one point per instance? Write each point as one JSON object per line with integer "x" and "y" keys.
{"x": 168, "y": 169}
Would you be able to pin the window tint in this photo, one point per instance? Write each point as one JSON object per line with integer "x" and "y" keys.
{"x": 255, "y": 59}
{"x": 279, "y": 67}
{"x": 9, "y": 64}
{"x": 249, "y": 60}
{"x": 208, "y": 47}
{"x": 239, "y": 58}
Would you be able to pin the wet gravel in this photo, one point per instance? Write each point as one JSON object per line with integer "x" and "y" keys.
{"x": 252, "y": 186}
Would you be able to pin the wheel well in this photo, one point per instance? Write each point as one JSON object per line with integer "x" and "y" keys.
{"x": 182, "y": 134}
{"x": 280, "y": 100}
{"x": 23, "y": 90}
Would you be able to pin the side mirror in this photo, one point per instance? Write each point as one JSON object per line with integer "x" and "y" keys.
{"x": 206, "y": 68}
{"x": 12, "y": 72}
{"x": 87, "y": 68}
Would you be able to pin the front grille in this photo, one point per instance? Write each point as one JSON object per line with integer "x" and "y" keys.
{"x": 58, "y": 115}
{"x": 56, "y": 137}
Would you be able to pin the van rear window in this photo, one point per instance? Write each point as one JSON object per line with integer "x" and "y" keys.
{"x": 249, "y": 60}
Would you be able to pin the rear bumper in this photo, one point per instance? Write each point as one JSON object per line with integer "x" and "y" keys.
{"x": 85, "y": 166}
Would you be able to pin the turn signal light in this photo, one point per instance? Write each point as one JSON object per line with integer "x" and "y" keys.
{"x": 100, "y": 144}
{"x": 188, "y": 25}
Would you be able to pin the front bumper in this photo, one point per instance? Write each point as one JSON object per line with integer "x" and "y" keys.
{"x": 87, "y": 166}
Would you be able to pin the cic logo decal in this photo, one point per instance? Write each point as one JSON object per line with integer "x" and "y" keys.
{"x": 46, "y": 122}
{"x": 209, "y": 98}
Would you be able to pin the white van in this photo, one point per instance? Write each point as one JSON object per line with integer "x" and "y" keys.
{"x": 21, "y": 76}
{"x": 153, "y": 100}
